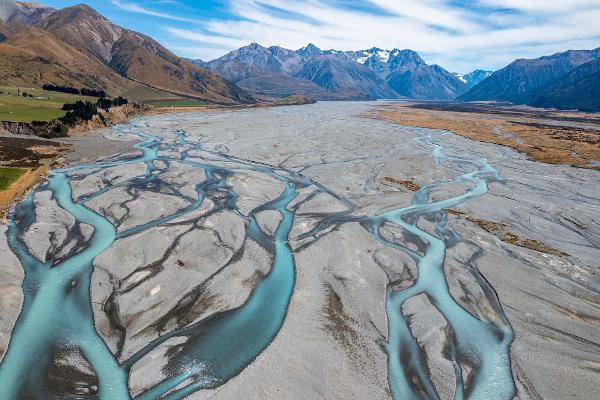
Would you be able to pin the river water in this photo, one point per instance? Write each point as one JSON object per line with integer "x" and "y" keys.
{"x": 57, "y": 306}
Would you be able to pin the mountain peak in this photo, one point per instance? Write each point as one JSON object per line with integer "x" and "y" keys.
{"x": 520, "y": 81}
{"x": 406, "y": 52}
{"x": 254, "y": 46}
{"x": 310, "y": 49}
{"x": 406, "y": 56}
{"x": 83, "y": 11}
{"x": 81, "y": 7}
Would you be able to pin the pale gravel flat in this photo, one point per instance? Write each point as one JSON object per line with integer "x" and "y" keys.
{"x": 330, "y": 345}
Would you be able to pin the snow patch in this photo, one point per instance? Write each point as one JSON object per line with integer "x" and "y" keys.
{"x": 383, "y": 55}
{"x": 460, "y": 77}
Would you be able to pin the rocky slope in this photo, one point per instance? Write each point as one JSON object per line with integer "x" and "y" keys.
{"x": 332, "y": 74}
{"x": 76, "y": 46}
{"x": 406, "y": 74}
{"x": 521, "y": 81}
{"x": 579, "y": 89}
{"x": 16, "y": 15}
{"x": 337, "y": 72}
{"x": 33, "y": 57}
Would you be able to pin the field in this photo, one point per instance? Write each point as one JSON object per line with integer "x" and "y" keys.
{"x": 8, "y": 175}
{"x": 43, "y": 106}
{"x": 158, "y": 98}
{"x": 175, "y": 103}
{"x": 46, "y": 105}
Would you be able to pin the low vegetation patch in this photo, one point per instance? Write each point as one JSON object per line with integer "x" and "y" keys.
{"x": 410, "y": 185}
{"x": 296, "y": 99}
{"x": 25, "y": 162}
{"x": 175, "y": 103}
{"x": 8, "y": 175}
{"x": 28, "y": 153}
{"x": 338, "y": 323}
{"x": 502, "y": 232}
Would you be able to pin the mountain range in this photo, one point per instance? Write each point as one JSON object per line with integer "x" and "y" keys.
{"x": 568, "y": 80}
{"x": 334, "y": 74}
{"x": 76, "y": 46}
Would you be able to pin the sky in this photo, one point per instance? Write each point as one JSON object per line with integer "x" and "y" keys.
{"x": 459, "y": 35}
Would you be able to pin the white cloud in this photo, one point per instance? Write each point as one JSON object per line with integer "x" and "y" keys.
{"x": 432, "y": 12}
{"x": 218, "y": 40}
{"x": 132, "y": 7}
{"x": 483, "y": 35}
{"x": 195, "y": 52}
{"x": 542, "y": 6}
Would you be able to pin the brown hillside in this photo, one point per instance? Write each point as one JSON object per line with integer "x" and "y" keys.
{"x": 34, "y": 57}
{"x": 83, "y": 28}
{"x": 138, "y": 57}
{"x": 142, "y": 59}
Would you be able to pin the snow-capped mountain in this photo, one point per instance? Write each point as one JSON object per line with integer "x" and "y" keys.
{"x": 375, "y": 54}
{"x": 364, "y": 74}
{"x": 407, "y": 75}
{"x": 473, "y": 78}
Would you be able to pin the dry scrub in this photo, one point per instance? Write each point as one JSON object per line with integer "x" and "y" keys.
{"x": 502, "y": 232}
{"x": 545, "y": 140}
{"x": 410, "y": 185}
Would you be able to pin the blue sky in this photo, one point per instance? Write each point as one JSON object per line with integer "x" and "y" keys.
{"x": 460, "y": 35}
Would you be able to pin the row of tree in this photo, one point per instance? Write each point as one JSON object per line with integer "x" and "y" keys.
{"x": 72, "y": 90}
